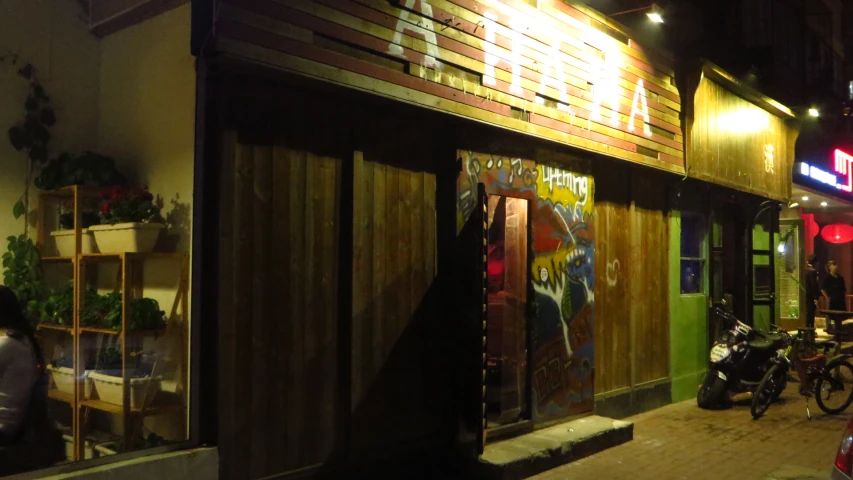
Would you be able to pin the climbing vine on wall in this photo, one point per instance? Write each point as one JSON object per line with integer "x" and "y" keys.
{"x": 31, "y": 134}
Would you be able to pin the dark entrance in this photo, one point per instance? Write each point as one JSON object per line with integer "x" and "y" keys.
{"x": 507, "y": 378}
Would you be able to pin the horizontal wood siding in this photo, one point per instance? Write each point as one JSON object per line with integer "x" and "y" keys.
{"x": 279, "y": 326}
{"x": 533, "y": 70}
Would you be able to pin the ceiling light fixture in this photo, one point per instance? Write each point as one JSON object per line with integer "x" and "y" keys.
{"x": 805, "y": 199}
{"x": 813, "y": 112}
{"x": 823, "y": 204}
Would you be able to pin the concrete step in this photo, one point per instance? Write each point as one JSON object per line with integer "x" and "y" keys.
{"x": 542, "y": 450}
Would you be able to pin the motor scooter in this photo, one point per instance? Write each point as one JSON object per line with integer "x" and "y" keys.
{"x": 739, "y": 360}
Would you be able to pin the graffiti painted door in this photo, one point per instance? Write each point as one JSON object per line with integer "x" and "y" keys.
{"x": 561, "y": 279}
{"x": 471, "y": 301}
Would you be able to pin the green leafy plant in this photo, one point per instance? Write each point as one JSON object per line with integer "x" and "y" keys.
{"x": 101, "y": 311}
{"x": 59, "y": 307}
{"x": 88, "y": 169}
{"x": 122, "y": 205}
{"x": 31, "y": 134}
{"x": 104, "y": 311}
{"x": 24, "y": 275}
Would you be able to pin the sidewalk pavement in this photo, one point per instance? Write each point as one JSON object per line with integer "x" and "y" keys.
{"x": 682, "y": 441}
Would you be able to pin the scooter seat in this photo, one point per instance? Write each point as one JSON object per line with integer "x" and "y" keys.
{"x": 770, "y": 342}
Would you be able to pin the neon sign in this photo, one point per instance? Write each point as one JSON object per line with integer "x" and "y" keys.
{"x": 843, "y": 167}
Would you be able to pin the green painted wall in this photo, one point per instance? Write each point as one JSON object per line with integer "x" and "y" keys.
{"x": 688, "y": 324}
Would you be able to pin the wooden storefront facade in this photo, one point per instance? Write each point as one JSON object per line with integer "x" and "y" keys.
{"x": 364, "y": 151}
{"x": 739, "y": 149}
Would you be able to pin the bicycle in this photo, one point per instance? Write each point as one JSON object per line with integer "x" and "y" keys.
{"x": 831, "y": 379}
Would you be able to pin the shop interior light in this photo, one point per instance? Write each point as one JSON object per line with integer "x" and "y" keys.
{"x": 813, "y": 112}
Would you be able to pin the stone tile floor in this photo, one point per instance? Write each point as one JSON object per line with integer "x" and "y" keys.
{"x": 682, "y": 441}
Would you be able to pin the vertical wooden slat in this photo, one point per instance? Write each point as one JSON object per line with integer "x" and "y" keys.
{"x": 261, "y": 339}
{"x": 429, "y": 228}
{"x": 243, "y": 304}
{"x": 379, "y": 264}
{"x": 402, "y": 258}
{"x": 327, "y": 253}
{"x": 227, "y": 352}
{"x": 393, "y": 263}
{"x": 362, "y": 274}
{"x": 296, "y": 359}
{"x": 416, "y": 266}
{"x": 314, "y": 306}
{"x": 279, "y": 438}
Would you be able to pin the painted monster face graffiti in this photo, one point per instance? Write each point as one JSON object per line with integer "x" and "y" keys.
{"x": 561, "y": 272}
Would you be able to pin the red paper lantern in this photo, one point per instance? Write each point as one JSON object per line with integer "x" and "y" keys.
{"x": 837, "y": 233}
{"x": 811, "y": 225}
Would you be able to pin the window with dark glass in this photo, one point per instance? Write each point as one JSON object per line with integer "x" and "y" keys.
{"x": 692, "y": 253}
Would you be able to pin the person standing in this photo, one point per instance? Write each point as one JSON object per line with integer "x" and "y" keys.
{"x": 835, "y": 291}
{"x": 813, "y": 291}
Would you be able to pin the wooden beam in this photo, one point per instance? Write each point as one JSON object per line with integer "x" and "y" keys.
{"x": 110, "y": 16}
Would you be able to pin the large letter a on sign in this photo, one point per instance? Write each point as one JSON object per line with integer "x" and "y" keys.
{"x": 409, "y": 22}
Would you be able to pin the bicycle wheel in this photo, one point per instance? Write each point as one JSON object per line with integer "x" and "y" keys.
{"x": 768, "y": 390}
{"x": 834, "y": 388}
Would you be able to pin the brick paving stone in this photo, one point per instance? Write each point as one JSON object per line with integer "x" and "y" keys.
{"x": 682, "y": 441}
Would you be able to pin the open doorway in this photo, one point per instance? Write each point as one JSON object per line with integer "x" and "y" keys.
{"x": 728, "y": 264}
{"x": 507, "y": 392}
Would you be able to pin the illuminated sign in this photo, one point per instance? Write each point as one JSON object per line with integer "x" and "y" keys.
{"x": 843, "y": 166}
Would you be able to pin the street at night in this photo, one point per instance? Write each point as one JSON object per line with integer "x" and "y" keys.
{"x": 682, "y": 441}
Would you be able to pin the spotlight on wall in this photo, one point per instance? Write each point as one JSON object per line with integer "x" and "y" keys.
{"x": 654, "y": 12}
{"x": 813, "y": 112}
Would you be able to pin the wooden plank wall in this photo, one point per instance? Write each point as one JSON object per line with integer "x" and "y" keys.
{"x": 631, "y": 288}
{"x": 557, "y": 71}
{"x": 738, "y": 144}
{"x": 278, "y": 320}
{"x": 394, "y": 255}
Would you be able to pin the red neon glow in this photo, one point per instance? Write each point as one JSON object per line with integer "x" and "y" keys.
{"x": 844, "y": 166}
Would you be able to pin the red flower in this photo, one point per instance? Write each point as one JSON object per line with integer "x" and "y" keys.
{"x": 106, "y": 209}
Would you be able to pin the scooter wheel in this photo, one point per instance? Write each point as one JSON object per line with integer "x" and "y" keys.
{"x": 711, "y": 392}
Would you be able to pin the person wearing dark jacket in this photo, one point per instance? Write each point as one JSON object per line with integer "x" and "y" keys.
{"x": 813, "y": 292}
{"x": 27, "y": 438}
{"x": 835, "y": 291}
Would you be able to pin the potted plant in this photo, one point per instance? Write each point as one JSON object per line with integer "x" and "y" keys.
{"x": 64, "y": 237}
{"x": 130, "y": 220}
{"x": 107, "y": 378}
{"x": 59, "y": 307}
{"x": 104, "y": 311}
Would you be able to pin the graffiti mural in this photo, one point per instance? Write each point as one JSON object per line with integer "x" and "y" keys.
{"x": 561, "y": 254}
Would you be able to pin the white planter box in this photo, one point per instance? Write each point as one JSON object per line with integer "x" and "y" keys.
{"x": 63, "y": 377}
{"x": 127, "y": 237}
{"x": 65, "y": 242}
{"x": 69, "y": 448}
{"x": 109, "y": 389}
